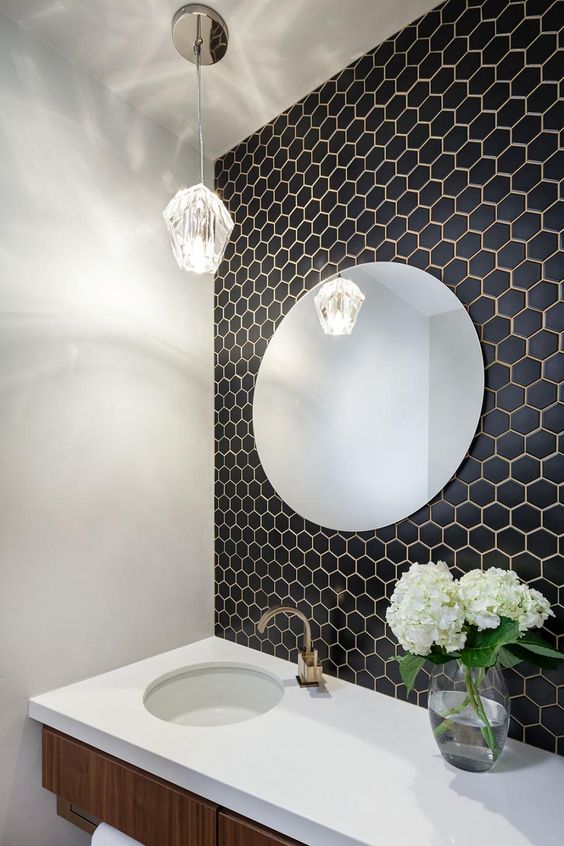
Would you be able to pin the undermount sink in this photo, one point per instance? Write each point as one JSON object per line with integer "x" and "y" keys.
{"x": 213, "y": 694}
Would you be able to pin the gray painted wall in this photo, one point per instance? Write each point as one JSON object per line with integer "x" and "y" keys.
{"x": 105, "y": 406}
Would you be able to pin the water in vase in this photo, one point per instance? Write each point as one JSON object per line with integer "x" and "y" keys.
{"x": 459, "y": 731}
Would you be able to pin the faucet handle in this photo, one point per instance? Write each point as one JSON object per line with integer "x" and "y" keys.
{"x": 310, "y": 671}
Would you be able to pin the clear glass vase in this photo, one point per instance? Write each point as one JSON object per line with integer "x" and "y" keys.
{"x": 469, "y": 713}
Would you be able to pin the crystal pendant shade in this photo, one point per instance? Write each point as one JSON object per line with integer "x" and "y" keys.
{"x": 199, "y": 226}
{"x": 338, "y": 304}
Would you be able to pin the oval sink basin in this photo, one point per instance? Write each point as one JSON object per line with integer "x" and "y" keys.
{"x": 213, "y": 694}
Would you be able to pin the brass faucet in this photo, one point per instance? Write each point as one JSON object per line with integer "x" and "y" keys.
{"x": 310, "y": 671}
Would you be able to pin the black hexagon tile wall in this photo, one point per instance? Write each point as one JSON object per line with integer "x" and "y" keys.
{"x": 439, "y": 148}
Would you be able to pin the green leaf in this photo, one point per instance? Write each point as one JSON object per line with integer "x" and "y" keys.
{"x": 542, "y": 661}
{"x": 439, "y": 656}
{"x": 409, "y": 666}
{"x": 533, "y": 643}
{"x": 482, "y": 648}
{"x": 507, "y": 658}
{"x": 533, "y": 649}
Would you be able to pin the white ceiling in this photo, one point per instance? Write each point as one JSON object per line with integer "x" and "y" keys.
{"x": 279, "y": 50}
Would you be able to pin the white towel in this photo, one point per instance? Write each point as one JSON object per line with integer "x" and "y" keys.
{"x": 105, "y": 835}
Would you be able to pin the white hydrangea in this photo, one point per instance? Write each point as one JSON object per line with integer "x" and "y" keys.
{"x": 487, "y": 595}
{"x": 425, "y": 611}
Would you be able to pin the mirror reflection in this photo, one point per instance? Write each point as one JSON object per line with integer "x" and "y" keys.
{"x": 358, "y": 431}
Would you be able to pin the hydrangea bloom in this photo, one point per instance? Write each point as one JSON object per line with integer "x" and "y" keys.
{"x": 487, "y": 595}
{"x": 425, "y": 610}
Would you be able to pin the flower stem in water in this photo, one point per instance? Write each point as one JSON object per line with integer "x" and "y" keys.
{"x": 478, "y": 707}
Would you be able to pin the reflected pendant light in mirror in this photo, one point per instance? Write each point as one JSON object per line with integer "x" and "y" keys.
{"x": 198, "y": 223}
{"x": 338, "y": 303}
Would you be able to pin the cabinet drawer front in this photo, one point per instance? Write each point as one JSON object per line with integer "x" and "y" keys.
{"x": 152, "y": 811}
{"x": 236, "y": 831}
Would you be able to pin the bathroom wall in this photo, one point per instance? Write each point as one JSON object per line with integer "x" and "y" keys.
{"x": 445, "y": 331}
{"x": 106, "y": 404}
{"x": 438, "y": 148}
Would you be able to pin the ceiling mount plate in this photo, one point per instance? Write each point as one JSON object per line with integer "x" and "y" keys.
{"x": 213, "y": 32}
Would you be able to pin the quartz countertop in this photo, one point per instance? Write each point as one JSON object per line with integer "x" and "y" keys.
{"x": 329, "y": 767}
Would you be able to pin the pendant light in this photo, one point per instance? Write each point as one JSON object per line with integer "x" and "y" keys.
{"x": 198, "y": 223}
{"x": 338, "y": 304}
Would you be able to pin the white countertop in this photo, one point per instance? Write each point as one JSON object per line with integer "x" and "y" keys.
{"x": 336, "y": 768}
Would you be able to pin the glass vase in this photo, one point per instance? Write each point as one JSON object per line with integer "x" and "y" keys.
{"x": 469, "y": 713}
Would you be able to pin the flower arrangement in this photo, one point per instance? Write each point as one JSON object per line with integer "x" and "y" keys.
{"x": 481, "y": 620}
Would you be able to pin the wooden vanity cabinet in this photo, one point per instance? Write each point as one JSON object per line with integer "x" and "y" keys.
{"x": 148, "y": 809}
{"x": 237, "y": 831}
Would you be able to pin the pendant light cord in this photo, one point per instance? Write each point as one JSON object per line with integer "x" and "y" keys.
{"x": 198, "y": 52}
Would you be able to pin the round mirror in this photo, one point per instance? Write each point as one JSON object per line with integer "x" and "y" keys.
{"x": 358, "y": 431}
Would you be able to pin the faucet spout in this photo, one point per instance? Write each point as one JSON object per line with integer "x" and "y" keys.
{"x": 286, "y": 609}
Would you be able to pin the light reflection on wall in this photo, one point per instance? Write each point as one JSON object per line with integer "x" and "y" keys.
{"x": 105, "y": 404}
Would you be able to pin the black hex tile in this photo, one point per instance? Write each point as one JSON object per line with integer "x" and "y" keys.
{"x": 511, "y": 349}
{"x": 526, "y": 518}
{"x": 541, "y": 394}
{"x": 553, "y": 519}
{"x": 525, "y": 469}
{"x": 543, "y": 344}
{"x": 525, "y": 420}
{"x": 527, "y": 274}
{"x": 510, "y": 445}
{"x": 555, "y": 317}
{"x": 527, "y": 322}
{"x": 537, "y": 735}
{"x": 527, "y": 566}
{"x": 510, "y": 397}
{"x": 542, "y": 493}
{"x": 552, "y": 218}
{"x": 542, "y": 197}
{"x": 528, "y": 711}
{"x": 542, "y": 295}
{"x": 440, "y": 148}
{"x": 552, "y": 719}
{"x": 526, "y": 371}
{"x": 511, "y": 302}
{"x": 553, "y": 468}
{"x": 498, "y": 375}
{"x": 541, "y": 443}
{"x": 553, "y": 419}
